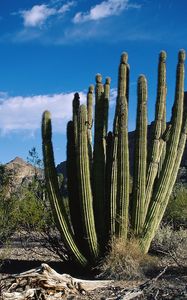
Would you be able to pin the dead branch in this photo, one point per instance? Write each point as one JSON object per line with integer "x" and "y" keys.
{"x": 45, "y": 283}
{"x": 49, "y": 282}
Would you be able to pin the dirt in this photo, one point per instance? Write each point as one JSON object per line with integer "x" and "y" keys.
{"x": 171, "y": 285}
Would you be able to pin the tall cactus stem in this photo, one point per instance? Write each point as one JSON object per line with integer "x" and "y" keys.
{"x": 114, "y": 161}
{"x": 122, "y": 201}
{"x": 162, "y": 185}
{"x": 157, "y": 130}
{"x": 73, "y": 190}
{"x": 54, "y": 192}
{"x": 108, "y": 181}
{"x": 146, "y": 241}
{"x": 106, "y": 105}
{"x": 90, "y": 120}
{"x": 99, "y": 162}
{"x": 76, "y": 104}
{"x": 84, "y": 182}
{"x": 140, "y": 162}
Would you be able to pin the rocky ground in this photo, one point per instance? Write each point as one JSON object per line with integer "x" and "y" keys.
{"x": 172, "y": 284}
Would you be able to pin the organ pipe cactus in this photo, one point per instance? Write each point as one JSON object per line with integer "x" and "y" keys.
{"x": 98, "y": 174}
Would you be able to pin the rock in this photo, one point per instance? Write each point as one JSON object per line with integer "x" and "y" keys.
{"x": 21, "y": 172}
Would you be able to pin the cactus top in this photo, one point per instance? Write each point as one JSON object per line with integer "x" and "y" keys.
{"x": 124, "y": 58}
{"x": 98, "y": 78}
{"x": 46, "y": 123}
{"x": 91, "y": 88}
{"x": 182, "y": 55}
{"x": 108, "y": 80}
{"x": 76, "y": 96}
{"x": 142, "y": 78}
{"x": 163, "y": 56}
{"x": 76, "y": 101}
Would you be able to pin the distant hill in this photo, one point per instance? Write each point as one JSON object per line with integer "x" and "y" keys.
{"x": 22, "y": 172}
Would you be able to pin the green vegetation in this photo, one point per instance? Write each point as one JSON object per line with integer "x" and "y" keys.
{"x": 7, "y": 206}
{"x": 98, "y": 182}
{"x": 176, "y": 212}
{"x": 171, "y": 244}
{"x": 126, "y": 263}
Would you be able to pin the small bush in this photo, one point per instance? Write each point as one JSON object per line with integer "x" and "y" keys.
{"x": 176, "y": 212}
{"x": 125, "y": 262}
{"x": 171, "y": 244}
{"x": 7, "y": 206}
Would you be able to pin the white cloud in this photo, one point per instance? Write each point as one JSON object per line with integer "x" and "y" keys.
{"x": 104, "y": 9}
{"x": 22, "y": 114}
{"x": 113, "y": 96}
{"x": 25, "y": 113}
{"x": 66, "y": 7}
{"x": 38, "y": 14}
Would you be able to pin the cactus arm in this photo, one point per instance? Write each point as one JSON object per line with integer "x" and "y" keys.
{"x": 90, "y": 120}
{"x": 84, "y": 182}
{"x": 106, "y": 105}
{"x": 73, "y": 191}
{"x": 163, "y": 183}
{"x": 140, "y": 162}
{"x": 162, "y": 206}
{"x": 99, "y": 162}
{"x": 54, "y": 193}
{"x": 157, "y": 131}
{"x": 108, "y": 181}
{"x": 76, "y": 104}
{"x": 123, "y": 73}
{"x": 113, "y": 190}
{"x": 122, "y": 205}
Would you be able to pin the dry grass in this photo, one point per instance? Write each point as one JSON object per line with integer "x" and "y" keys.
{"x": 172, "y": 244}
{"x": 125, "y": 262}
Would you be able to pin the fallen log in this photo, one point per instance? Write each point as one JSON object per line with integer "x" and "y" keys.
{"x": 46, "y": 284}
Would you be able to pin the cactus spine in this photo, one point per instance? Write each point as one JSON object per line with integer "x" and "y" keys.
{"x": 99, "y": 181}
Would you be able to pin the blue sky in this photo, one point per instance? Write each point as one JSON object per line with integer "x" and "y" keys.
{"x": 51, "y": 49}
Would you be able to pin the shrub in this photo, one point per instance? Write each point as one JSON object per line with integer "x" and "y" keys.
{"x": 172, "y": 244}
{"x": 7, "y": 206}
{"x": 125, "y": 262}
{"x": 176, "y": 212}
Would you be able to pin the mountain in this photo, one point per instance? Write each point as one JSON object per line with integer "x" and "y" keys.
{"x": 21, "y": 172}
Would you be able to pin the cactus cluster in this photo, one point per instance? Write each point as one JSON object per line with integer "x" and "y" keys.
{"x": 100, "y": 201}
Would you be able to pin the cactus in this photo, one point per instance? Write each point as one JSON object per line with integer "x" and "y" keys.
{"x": 140, "y": 164}
{"x": 122, "y": 196}
{"x": 90, "y": 120}
{"x": 158, "y": 130}
{"x": 98, "y": 176}
{"x": 54, "y": 192}
{"x": 99, "y": 159}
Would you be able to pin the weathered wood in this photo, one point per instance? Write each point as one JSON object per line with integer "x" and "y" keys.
{"x": 46, "y": 284}
{"x": 47, "y": 281}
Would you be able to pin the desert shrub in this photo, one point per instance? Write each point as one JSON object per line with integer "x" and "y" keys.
{"x": 125, "y": 263}
{"x": 7, "y": 206}
{"x": 31, "y": 214}
{"x": 172, "y": 244}
{"x": 176, "y": 212}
